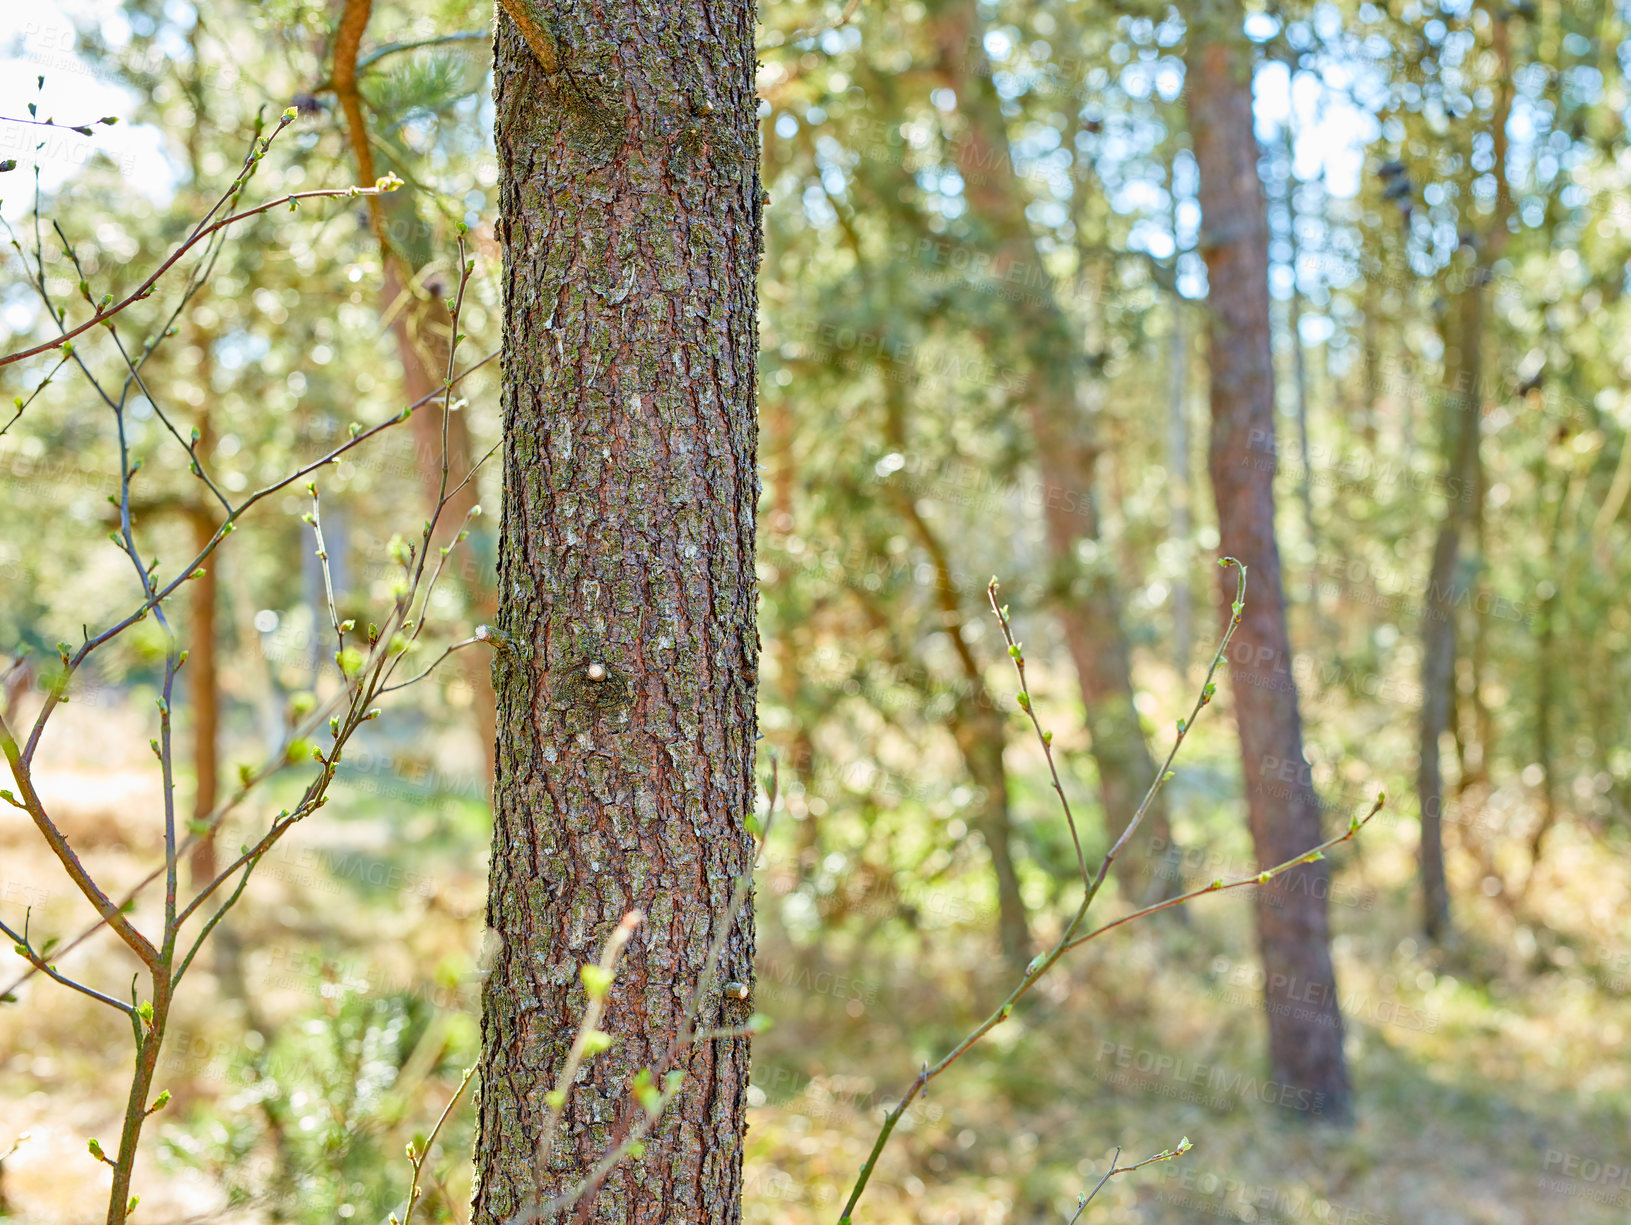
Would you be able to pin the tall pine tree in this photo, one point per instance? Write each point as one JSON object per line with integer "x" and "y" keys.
{"x": 626, "y": 681}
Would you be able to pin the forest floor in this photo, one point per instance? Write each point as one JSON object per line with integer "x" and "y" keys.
{"x": 1492, "y": 1081}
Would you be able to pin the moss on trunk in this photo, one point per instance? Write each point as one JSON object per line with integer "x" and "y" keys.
{"x": 631, "y": 220}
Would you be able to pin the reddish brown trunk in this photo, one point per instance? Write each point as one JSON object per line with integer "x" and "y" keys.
{"x": 418, "y": 324}
{"x": 203, "y": 676}
{"x": 1304, "y": 1020}
{"x": 203, "y": 686}
{"x": 1086, "y": 600}
{"x": 630, "y": 210}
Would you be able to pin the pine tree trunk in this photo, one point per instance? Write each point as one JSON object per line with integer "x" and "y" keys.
{"x": 1299, "y": 357}
{"x": 631, "y": 220}
{"x": 1304, "y": 1020}
{"x": 204, "y": 689}
{"x": 1444, "y": 595}
{"x": 203, "y": 674}
{"x": 976, "y": 723}
{"x": 1438, "y": 659}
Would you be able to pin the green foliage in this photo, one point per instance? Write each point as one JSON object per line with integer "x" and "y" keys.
{"x": 306, "y": 1123}
{"x": 897, "y": 364}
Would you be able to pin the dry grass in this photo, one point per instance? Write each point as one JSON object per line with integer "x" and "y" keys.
{"x": 1491, "y": 1076}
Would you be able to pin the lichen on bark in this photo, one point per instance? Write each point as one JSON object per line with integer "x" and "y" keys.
{"x": 631, "y": 214}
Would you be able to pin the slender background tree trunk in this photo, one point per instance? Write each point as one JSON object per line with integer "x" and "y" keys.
{"x": 631, "y": 210}
{"x": 1463, "y": 509}
{"x": 1304, "y": 1020}
{"x": 976, "y": 723}
{"x": 204, "y": 674}
{"x": 203, "y": 687}
{"x": 1179, "y": 526}
{"x": 420, "y": 326}
{"x": 1299, "y": 357}
{"x": 1087, "y": 602}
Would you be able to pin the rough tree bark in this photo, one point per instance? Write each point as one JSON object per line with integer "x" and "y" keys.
{"x": 1089, "y": 606}
{"x": 630, "y": 216}
{"x": 1304, "y": 1020}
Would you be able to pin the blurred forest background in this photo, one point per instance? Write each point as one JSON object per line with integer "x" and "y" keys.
{"x": 932, "y": 270}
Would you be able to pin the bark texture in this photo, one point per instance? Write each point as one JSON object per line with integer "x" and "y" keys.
{"x": 1304, "y": 1020}
{"x": 631, "y": 208}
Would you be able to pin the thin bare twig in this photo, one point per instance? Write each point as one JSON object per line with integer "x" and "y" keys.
{"x": 1068, "y": 939}
{"x": 417, "y": 1158}
{"x": 37, "y": 959}
{"x": 1182, "y": 1147}
{"x": 597, "y": 981}
{"x": 204, "y": 230}
{"x": 1029, "y": 707}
